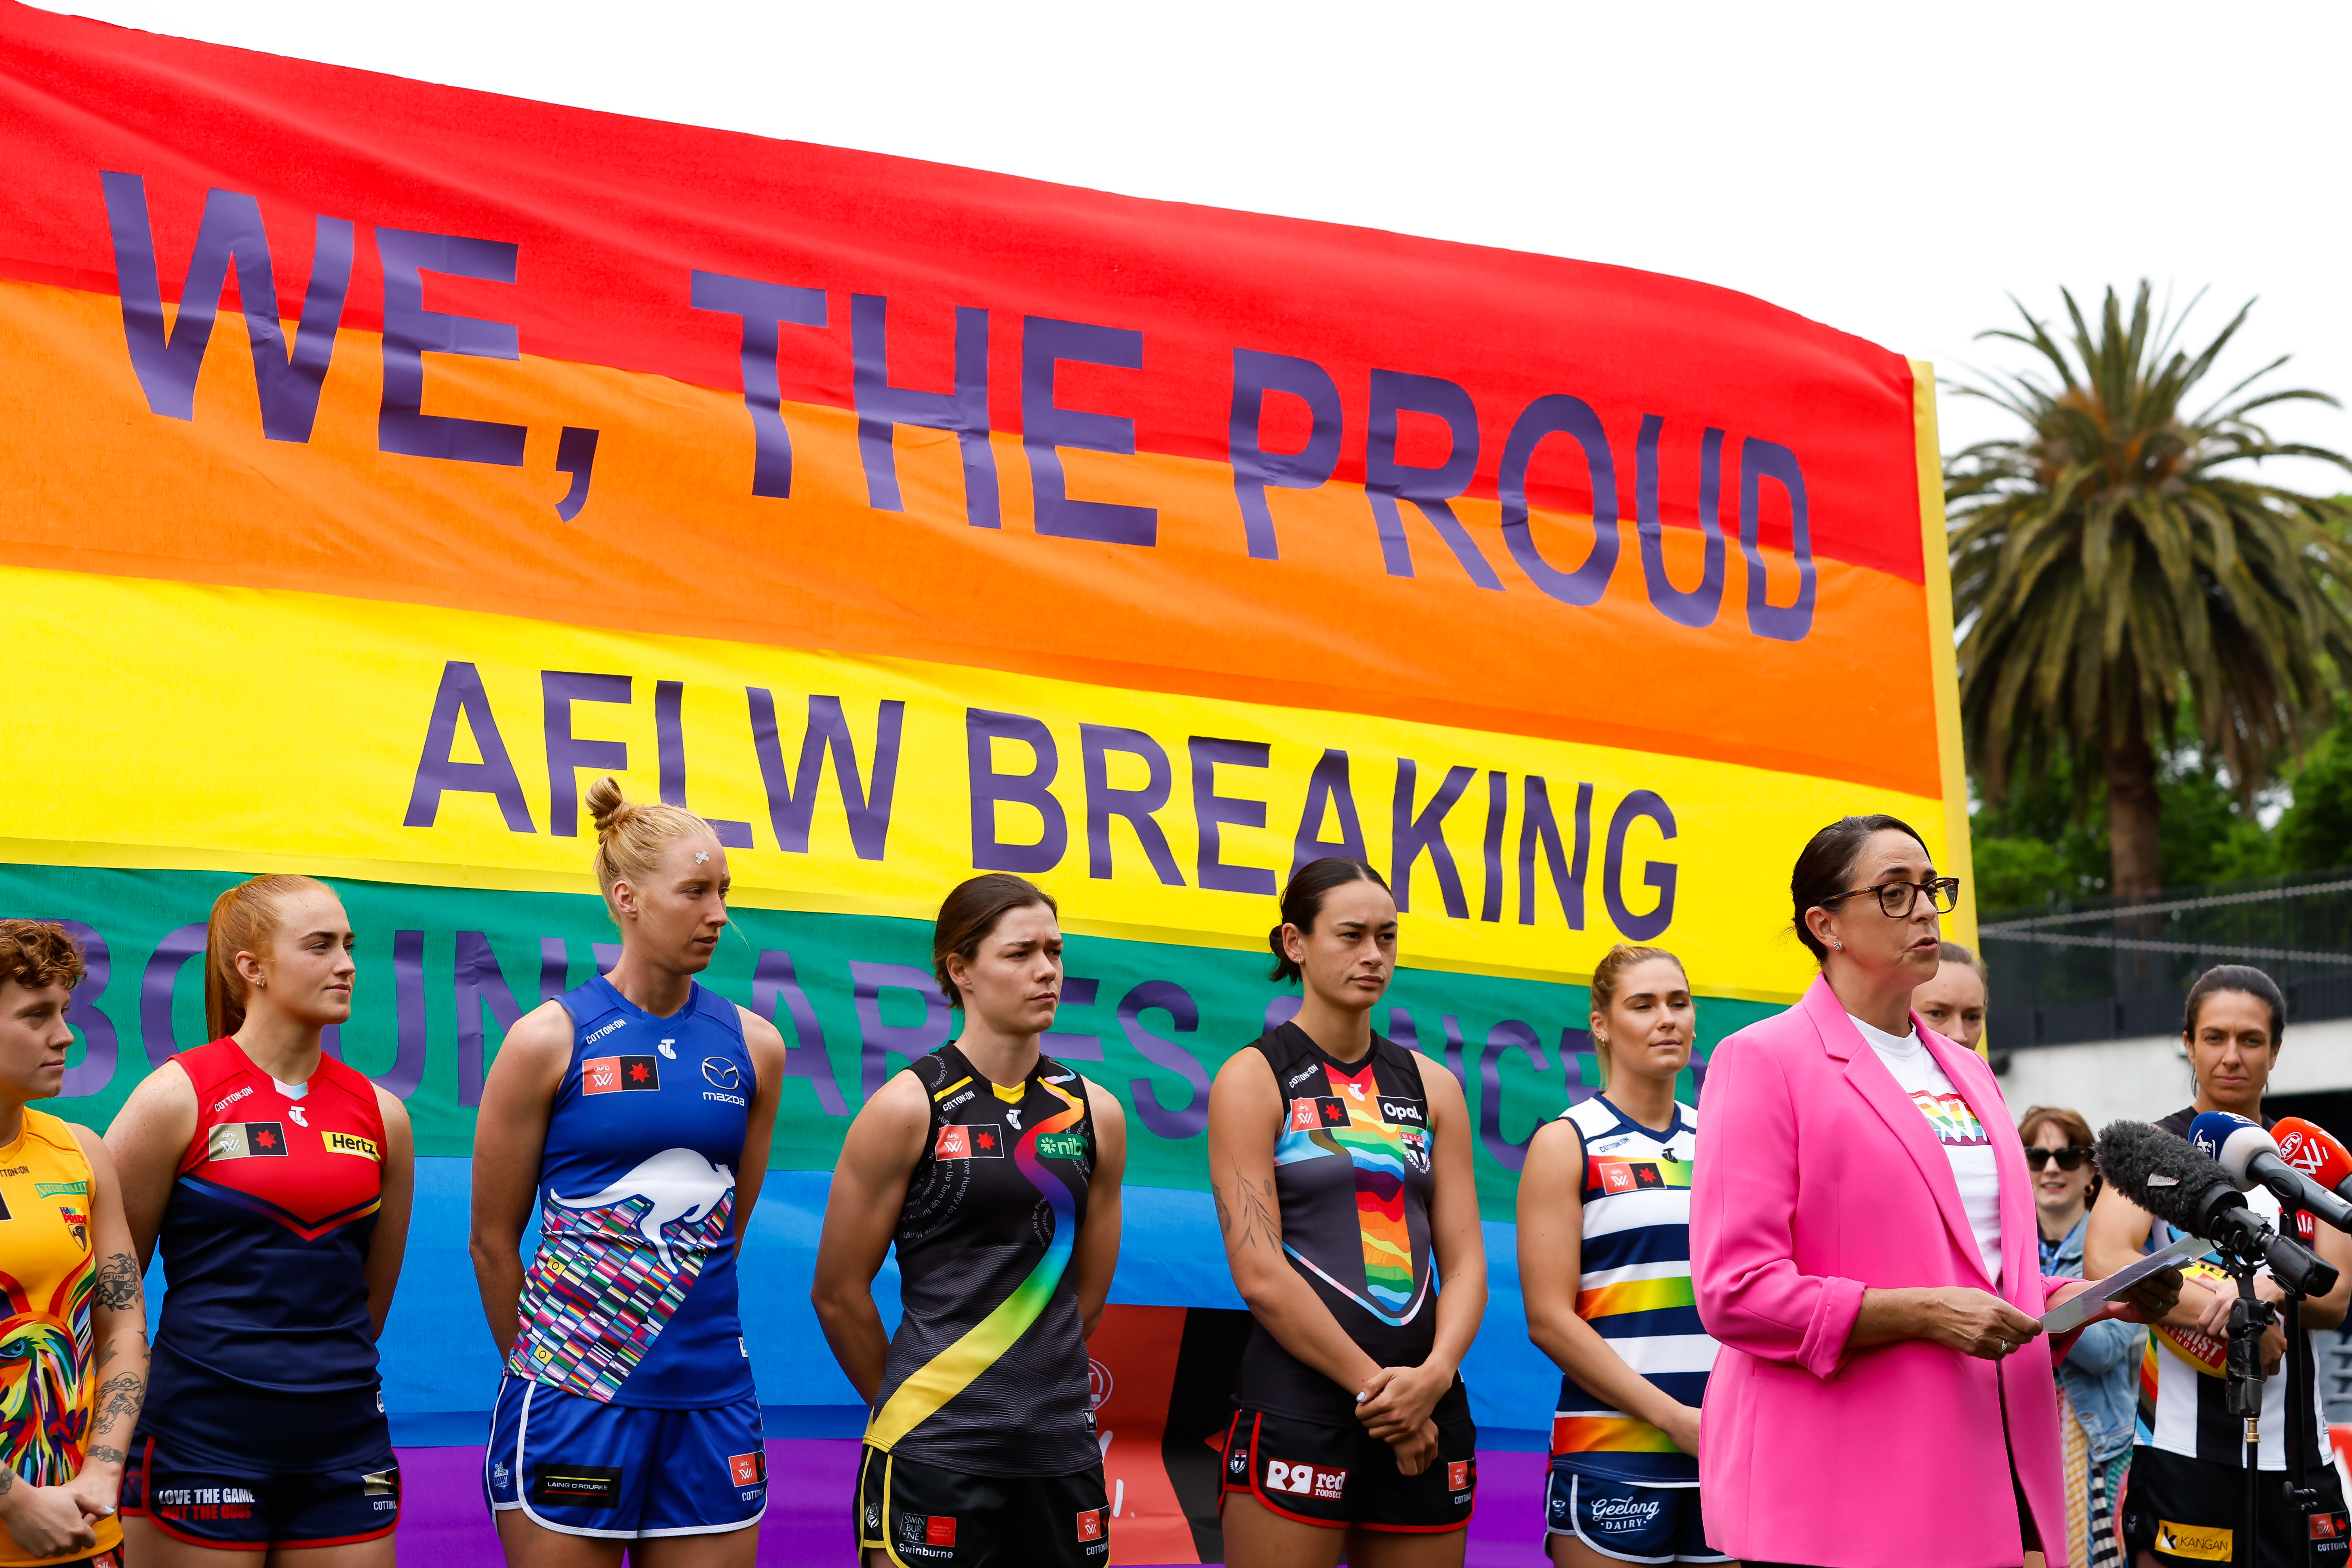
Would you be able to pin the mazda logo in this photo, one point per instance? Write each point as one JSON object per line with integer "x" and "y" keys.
{"x": 720, "y": 1072}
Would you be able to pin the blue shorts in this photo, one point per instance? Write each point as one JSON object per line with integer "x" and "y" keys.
{"x": 238, "y": 1509}
{"x": 623, "y": 1471}
{"x": 1627, "y": 1521}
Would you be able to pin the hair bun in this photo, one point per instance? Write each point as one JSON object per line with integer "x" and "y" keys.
{"x": 607, "y": 807}
{"x": 1274, "y": 942}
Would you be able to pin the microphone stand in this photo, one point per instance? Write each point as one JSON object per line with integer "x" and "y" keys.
{"x": 2249, "y": 1315}
{"x": 2302, "y": 1438}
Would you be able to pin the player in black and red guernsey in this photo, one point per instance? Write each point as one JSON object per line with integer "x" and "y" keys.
{"x": 277, "y": 1180}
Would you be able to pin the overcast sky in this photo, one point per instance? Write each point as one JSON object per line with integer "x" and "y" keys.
{"x": 1895, "y": 172}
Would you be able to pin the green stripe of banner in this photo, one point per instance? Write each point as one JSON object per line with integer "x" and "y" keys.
{"x": 443, "y": 972}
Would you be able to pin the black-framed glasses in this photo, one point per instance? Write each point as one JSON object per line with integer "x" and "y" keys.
{"x": 2070, "y": 1158}
{"x": 1899, "y": 899}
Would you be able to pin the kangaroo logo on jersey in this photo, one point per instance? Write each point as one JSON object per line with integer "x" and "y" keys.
{"x": 719, "y": 1073}
{"x": 245, "y": 1141}
{"x": 676, "y": 1185}
{"x": 611, "y": 1075}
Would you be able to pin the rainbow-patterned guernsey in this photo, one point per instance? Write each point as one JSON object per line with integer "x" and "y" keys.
{"x": 1349, "y": 1121}
{"x": 1636, "y": 1292}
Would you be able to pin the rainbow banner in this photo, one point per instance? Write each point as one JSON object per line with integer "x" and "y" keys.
{"x": 386, "y": 462}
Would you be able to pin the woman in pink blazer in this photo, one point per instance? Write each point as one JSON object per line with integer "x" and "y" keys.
{"x": 1862, "y": 1247}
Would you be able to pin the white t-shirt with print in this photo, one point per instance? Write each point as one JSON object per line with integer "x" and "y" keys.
{"x": 1956, "y": 1127}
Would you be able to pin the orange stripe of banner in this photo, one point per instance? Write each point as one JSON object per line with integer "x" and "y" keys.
{"x": 672, "y": 540}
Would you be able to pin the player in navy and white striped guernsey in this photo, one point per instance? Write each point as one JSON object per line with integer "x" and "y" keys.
{"x": 1604, "y": 1263}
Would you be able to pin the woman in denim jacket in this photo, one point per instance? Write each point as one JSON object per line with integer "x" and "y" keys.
{"x": 2097, "y": 1399}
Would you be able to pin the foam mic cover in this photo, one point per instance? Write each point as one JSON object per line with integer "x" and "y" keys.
{"x": 2165, "y": 1175}
{"x": 2314, "y": 1151}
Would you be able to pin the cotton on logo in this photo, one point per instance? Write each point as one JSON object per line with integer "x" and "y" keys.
{"x": 1304, "y": 1480}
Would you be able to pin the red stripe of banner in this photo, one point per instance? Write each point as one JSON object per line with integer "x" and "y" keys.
{"x": 612, "y": 216}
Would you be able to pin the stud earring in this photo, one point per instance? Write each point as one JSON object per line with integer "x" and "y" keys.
{"x": 1839, "y": 945}
{"x": 261, "y": 984}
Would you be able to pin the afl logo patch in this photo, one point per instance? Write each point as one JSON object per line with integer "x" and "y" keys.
{"x": 721, "y": 1073}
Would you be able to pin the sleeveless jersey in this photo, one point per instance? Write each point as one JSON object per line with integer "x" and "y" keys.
{"x": 988, "y": 1372}
{"x": 1353, "y": 1175}
{"x": 1636, "y": 1292}
{"x": 47, "y": 1379}
{"x": 264, "y": 1356}
{"x": 630, "y": 1298}
{"x": 2184, "y": 1395}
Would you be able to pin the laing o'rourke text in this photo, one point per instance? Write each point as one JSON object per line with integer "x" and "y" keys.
{"x": 1028, "y": 813}
{"x": 288, "y": 377}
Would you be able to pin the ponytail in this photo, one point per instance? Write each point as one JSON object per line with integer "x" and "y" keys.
{"x": 244, "y": 920}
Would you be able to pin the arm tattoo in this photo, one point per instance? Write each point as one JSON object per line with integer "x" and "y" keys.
{"x": 118, "y": 1284}
{"x": 105, "y": 1456}
{"x": 1252, "y": 1213}
{"x": 118, "y": 1398}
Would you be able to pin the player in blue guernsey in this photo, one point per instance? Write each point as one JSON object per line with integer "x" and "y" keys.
{"x": 632, "y": 1115}
{"x": 1605, "y": 1266}
{"x": 277, "y": 1180}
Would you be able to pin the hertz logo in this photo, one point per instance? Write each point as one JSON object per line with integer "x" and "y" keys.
{"x": 351, "y": 1143}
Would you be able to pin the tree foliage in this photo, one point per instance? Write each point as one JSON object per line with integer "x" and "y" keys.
{"x": 2123, "y": 590}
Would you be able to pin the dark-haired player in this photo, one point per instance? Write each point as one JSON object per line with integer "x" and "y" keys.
{"x": 2186, "y": 1491}
{"x": 1345, "y": 1190}
{"x": 73, "y": 1330}
{"x": 995, "y": 1172}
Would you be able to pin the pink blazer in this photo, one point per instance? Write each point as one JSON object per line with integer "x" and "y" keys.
{"x": 1817, "y": 1177}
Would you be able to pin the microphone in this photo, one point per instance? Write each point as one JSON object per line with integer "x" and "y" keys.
{"x": 2172, "y": 1181}
{"x": 2250, "y": 1154}
{"x": 2313, "y": 1151}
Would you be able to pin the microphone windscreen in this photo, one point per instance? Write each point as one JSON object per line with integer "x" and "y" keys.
{"x": 2161, "y": 1173}
{"x": 2313, "y": 1151}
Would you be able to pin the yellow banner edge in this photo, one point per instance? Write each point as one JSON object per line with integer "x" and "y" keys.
{"x": 1936, "y": 558}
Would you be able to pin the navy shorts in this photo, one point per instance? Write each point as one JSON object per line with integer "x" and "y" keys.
{"x": 1627, "y": 1521}
{"x": 623, "y": 1471}
{"x": 232, "y": 1508}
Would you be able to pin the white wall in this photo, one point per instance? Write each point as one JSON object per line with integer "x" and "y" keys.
{"x": 2146, "y": 1079}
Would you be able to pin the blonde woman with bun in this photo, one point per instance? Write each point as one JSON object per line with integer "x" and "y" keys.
{"x": 1604, "y": 1265}
{"x": 633, "y": 1114}
{"x": 277, "y": 1180}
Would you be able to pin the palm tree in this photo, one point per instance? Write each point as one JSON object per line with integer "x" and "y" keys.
{"x": 2121, "y": 587}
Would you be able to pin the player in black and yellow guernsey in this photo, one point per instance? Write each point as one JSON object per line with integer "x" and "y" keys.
{"x": 995, "y": 1170}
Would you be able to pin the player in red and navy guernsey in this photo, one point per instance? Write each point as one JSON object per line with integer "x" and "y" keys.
{"x": 278, "y": 1181}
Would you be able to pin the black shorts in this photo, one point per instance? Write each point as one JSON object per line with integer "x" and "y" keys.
{"x": 1342, "y": 1475}
{"x": 925, "y": 1517}
{"x": 2188, "y": 1513}
{"x": 233, "y": 1509}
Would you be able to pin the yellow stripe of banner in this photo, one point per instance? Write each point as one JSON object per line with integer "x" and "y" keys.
{"x": 241, "y": 729}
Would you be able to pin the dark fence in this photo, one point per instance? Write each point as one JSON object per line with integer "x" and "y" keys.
{"x": 2107, "y": 969}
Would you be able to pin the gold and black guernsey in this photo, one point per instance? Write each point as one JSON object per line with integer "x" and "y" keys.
{"x": 987, "y": 1373}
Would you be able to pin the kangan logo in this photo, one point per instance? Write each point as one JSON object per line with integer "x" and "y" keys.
{"x": 296, "y": 1113}
{"x": 677, "y": 1185}
{"x": 664, "y": 1047}
{"x": 719, "y": 1073}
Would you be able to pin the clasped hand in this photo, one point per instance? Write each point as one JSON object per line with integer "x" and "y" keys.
{"x": 49, "y": 1521}
{"x": 1394, "y": 1407}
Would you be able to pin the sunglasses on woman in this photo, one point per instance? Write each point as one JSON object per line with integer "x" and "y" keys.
{"x": 2070, "y": 1158}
